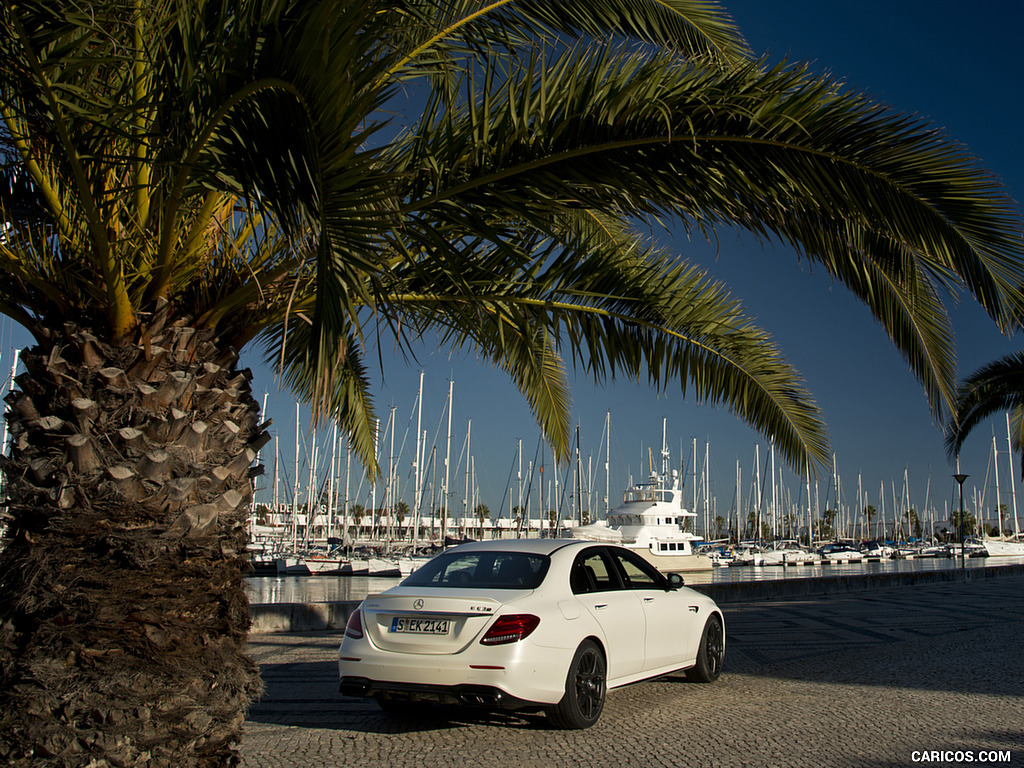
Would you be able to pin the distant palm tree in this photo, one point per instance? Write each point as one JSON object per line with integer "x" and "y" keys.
{"x": 870, "y": 513}
{"x": 483, "y": 515}
{"x": 991, "y": 389}
{"x": 179, "y": 181}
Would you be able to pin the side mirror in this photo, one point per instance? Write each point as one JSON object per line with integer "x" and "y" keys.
{"x": 675, "y": 581}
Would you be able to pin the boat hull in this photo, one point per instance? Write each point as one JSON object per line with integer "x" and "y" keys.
{"x": 999, "y": 548}
{"x": 677, "y": 563}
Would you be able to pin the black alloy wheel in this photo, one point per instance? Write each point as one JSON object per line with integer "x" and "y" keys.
{"x": 710, "y": 654}
{"x": 585, "y": 689}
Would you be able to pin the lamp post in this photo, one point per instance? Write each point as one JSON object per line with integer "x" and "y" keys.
{"x": 960, "y": 481}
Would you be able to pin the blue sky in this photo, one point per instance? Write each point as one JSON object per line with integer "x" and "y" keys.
{"x": 953, "y": 64}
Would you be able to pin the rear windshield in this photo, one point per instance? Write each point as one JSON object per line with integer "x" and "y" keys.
{"x": 482, "y": 570}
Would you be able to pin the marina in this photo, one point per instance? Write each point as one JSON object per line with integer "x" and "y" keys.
{"x": 327, "y": 589}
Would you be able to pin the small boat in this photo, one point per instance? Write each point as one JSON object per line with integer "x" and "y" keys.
{"x": 788, "y": 552}
{"x": 291, "y": 565}
{"x": 838, "y": 552}
{"x": 383, "y": 566}
{"x": 747, "y": 553}
{"x": 877, "y": 550}
{"x": 329, "y": 564}
{"x": 409, "y": 563}
{"x": 721, "y": 557}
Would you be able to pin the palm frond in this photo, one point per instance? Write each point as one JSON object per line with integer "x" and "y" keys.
{"x": 885, "y": 203}
{"x": 617, "y": 310}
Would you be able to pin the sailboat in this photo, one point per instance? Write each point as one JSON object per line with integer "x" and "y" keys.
{"x": 1006, "y": 545}
{"x": 650, "y": 522}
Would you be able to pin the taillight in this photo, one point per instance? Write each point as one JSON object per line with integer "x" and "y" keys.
{"x": 510, "y": 629}
{"x": 354, "y": 627}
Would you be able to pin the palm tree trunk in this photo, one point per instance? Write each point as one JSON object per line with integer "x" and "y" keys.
{"x": 122, "y": 616}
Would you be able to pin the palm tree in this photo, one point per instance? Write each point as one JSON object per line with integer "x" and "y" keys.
{"x": 483, "y": 515}
{"x": 400, "y": 513}
{"x": 182, "y": 180}
{"x": 357, "y": 513}
{"x": 993, "y": 388}
{"x": 870, "y": 513}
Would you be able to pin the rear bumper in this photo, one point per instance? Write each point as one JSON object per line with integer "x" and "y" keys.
{"x": 487, "y": 696}
{"x": 513, "y": 673}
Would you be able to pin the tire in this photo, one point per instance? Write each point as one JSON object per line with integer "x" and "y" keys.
{"x": 710, "y": 654}
{"x": 585, "y": 690}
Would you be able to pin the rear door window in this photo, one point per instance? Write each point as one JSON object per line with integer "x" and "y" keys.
{"x": 593, "y": 571}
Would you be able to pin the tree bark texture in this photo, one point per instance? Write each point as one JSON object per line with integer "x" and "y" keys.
{"x": 123, "y": 619}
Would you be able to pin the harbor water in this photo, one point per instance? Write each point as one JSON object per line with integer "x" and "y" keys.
{"x": 328, "y": 589}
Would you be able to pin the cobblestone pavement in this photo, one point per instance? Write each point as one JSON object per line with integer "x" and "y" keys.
{"x": 868, "y": 679}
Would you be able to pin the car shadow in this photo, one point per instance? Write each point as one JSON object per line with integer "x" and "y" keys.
{"x": 305, "y": 695}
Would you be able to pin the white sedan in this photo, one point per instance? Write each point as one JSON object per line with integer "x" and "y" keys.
{"x": 542, "y": 624}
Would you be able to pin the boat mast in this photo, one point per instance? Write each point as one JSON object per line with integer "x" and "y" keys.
{"x": 418, "y": 465}
{"x": 607, "y": 460}
{"x": 391, "y": 493}
{"x": 466, "y": 508}
{"x": 519, "y": 487}
{"x": 906, "y": 489}
{"x": 881, "y": 514}
{"x": 835, "y": 484}
{"x": 579, "y": 478}
{"x": 1013, "y": 485}
{"x": 348, "y": 472}
{"x": 311, "y": 496}
{"x": 447, "y": 465}
{"x": 758, "y": 490}
{"x": 810, "y": 509}
{"x": 707, "y": 502}
{"x": 373, "y": 478}
{"x": 927, "y": 497}
{"x": 694, "y": 471}
{"x": 860, "y": 506}
{"x": 897, "y": 506}
{"x": 259, "y": 453}
{"x": 540, "y": 489}
{"x": 999, "y": 506}
{"x": 277, "y": 455}
{"x": 330, "y": 484}
{"x": 295, "y": 486}
{"x": 775, "y": 497}
{"x": 739, "y": 498}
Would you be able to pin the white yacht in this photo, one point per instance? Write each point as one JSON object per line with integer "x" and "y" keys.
{"x": 651, "y": 521}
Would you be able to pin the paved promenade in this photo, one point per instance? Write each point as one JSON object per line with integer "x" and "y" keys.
{"x": 930, "y": 675}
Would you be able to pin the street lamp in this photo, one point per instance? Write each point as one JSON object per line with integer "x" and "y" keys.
{"x": 960, "y": 481}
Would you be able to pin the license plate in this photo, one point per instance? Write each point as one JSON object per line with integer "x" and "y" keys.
{"x": 420, "y": 626}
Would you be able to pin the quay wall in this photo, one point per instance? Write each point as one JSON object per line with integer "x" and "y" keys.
{"x": 270, "y": 618}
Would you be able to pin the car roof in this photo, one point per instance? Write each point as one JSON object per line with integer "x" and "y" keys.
{"x": 534, "y": 546}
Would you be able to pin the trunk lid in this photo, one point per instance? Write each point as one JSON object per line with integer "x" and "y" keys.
{"x": 431, "y": 621}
